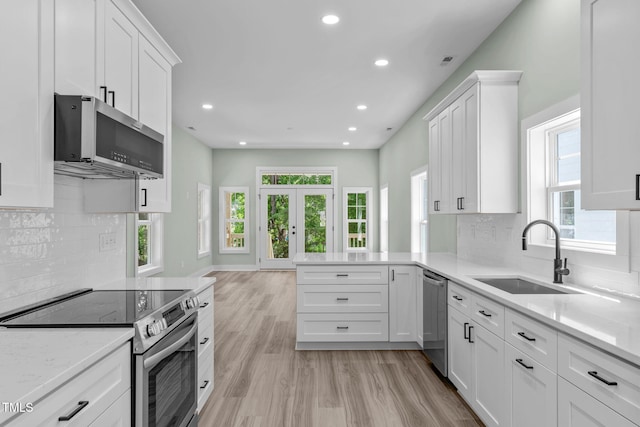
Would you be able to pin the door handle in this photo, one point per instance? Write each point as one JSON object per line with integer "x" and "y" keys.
{"x": 113, "y": 98}
{"x": 466, "y": 324}
{"x": 469, "y": 339}
{"x": 144, "y": 191}
{"x": 104, "y": 97}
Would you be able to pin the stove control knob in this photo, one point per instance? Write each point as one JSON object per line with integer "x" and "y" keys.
{"x": 190, "y": 303}
{"x": 154, "y": 328}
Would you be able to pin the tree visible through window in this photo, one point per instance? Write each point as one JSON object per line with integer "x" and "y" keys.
{"x": 356, "y": 218}
{"x": 234, "y": 235}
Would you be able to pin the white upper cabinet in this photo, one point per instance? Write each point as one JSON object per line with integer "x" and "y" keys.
{"x": 117, "y": 65}
{"x": 473, "y": 146}
{"x": 609, "y": 104}
{"x": 26, "y": 106}
{"x": 107, "y": 49}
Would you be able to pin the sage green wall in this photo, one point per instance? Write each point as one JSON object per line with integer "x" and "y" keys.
{"x": 541, "y": 38}
{"x": 191, "y": 165}
{"x": 356, "y": 168}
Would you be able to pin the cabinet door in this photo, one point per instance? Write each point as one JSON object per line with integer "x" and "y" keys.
{"x": 26, "y": 106}
{"x": 610, "y": 108}
{"x": 578, "y": 409}
{"x": 531, "y": 391}
{"x": 419, "y": 308}
{"x": 435, "y": 166}
{"x": 402, "y": 303}
{"x": 470, "y": 195}
{"x": 488, "y": 376}
{"x": 118, "y": 61}
{"x": 444, "y": 125}
{"x": 460, "y": 353}
{"x": 458, "y": 172}
{"x": 155, "y": 112}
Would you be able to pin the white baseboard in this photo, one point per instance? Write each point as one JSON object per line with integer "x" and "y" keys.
{"x": 203, "y": 271}
{"x": 238, "y": 267}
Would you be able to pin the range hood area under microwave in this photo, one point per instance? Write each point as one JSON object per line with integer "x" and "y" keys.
{"x": 94, "y": 140}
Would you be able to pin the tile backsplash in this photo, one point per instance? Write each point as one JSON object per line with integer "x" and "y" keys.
{"x": 497, "y": 240}
{"x": 47, "y": 252}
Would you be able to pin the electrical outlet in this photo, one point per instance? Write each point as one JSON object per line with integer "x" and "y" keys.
{"x": 107, "y": 242}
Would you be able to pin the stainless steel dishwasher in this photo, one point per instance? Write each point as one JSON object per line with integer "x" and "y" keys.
{"x": 434, "y": 309}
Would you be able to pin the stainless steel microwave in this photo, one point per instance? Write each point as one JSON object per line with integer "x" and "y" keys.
{"x": 94, "y": 140}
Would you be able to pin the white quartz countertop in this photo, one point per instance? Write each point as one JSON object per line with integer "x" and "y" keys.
{"x": 34, "y": 362}
{"x": 604, "y": 320}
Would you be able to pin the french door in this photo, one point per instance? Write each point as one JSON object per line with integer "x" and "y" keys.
{"x": 294, "y": 220}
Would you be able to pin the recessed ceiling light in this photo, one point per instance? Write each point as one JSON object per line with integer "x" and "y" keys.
{"x": 345, "y": 143}
{"x": 243, "y": 143}
{"x": 207, "y": 106}
{"x": 361, "y": 107}
{"x": 353, "y": 129}
{"x": 381, "y": 62}
{"x": 330, "y": 19}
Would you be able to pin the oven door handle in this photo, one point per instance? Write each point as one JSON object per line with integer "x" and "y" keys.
{"x": 158, "y": 357}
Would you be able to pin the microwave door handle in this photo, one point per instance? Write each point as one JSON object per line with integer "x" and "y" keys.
{"x": 158, "y": 357}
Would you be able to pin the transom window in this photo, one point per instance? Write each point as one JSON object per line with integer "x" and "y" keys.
{"x": 296, "y": 179}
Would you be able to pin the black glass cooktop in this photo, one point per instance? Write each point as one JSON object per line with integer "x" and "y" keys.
{"x": 93, "y": 308}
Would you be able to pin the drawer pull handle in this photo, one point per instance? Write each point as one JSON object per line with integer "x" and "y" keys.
{"x": 204, "y": 305}
{"x": 80, "y": 407}
{"x": 342, "y": 299}
{"x": 485, "y": 314}
{"x": 457, "y": 298}
{"x": 522, "y": 334}
{"x": 595, "y": 375}
{"x": 342, "y": 327}
{"x": 342, "y": 275}
{"x": 204, "y": 384}
{"x": 523, "y": 364}
{"x": 469, "y": 339}
{"x": 204, "y": 341}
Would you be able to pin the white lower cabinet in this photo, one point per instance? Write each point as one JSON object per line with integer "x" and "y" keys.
{"x": 342, "y": 327}
{"x": 578, "y": 409}
{"x": 402, "y": 303}
{"x": 205, "y": 346}
{"x": 476, "y": 367}
{"x": 531, "y": 391}
{"x": 89, "y": 398}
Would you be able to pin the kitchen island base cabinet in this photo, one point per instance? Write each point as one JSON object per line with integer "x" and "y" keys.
{"x": 402, "y": 303}
{"x": 343, "y": 327}
{"x": 205, "y": 346}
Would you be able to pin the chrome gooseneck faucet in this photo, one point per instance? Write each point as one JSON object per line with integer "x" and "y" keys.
{"x": 558, "y": 269}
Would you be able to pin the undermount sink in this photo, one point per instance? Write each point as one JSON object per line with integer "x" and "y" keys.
{"x": 515, "y": 285}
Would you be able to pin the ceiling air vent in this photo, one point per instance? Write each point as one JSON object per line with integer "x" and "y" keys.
{"x": 191, "y": 127}
{"x": 446, "y": 60}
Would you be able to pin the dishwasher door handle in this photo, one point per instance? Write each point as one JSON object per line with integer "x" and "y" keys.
{"x": 433, "y": 281}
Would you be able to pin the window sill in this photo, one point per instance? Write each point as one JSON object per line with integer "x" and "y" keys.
{"x": 150, "y": 270}
{"x": 203, "y": 254}
{"x": 233, "y": 251}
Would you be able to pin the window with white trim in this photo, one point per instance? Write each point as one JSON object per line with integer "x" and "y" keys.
{"x": 234, "y": 220}
{"x": 554, "y": 188}
{"x": 204, "y": 220}
{"x": 149, "y": 243}
{"x": 419, "y": 211}
{"x": 384, "y": 218}
{"x": 356, "y": 219}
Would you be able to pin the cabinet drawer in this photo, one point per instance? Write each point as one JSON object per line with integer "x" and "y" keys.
{"x": 101, "y": 385}
{"x": 343, "y": 327}
{"x": 205, "y": 339}
{"x": 206, "y": 301}
{"x": 580, "y": 363}
{"x": 342, "y": 274}
{"x": 488, "y": 313}
{"x": 118, "y": 414}
{"x": 343, "y": 298}
{"x": 577, "y": 409}
{"x": 532, "y": 338}
{"x": 205, "y": 386}
{"x": 460, "y": 298}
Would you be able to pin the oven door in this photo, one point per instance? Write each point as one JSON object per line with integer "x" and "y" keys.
{"x": 166, "y": 379}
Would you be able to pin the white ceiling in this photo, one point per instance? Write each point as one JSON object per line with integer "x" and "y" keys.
{"x": 280, "y": 78}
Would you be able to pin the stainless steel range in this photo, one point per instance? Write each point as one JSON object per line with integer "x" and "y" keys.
{"x": 164, "y": 360}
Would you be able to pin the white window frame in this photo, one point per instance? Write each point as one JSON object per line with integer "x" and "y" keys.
{"x": 419, "y": 211}
{"x": 345, "y": 221}
{"x": 247, "y": 233}
{"x": 384, "y": 218}
{"x": 204, "y": 220}
{"x": 535, "y": 179}
{"x": 155, "y": 240}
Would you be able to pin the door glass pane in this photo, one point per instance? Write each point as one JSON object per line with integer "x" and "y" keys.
{"x": 277, "y": 226}
{"x": 315, "y": 223}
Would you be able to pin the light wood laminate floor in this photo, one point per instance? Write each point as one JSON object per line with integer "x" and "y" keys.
{"x": 261, "y": 380}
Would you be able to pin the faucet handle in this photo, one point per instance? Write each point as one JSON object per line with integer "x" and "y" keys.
{"x": 564, "y": 270}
